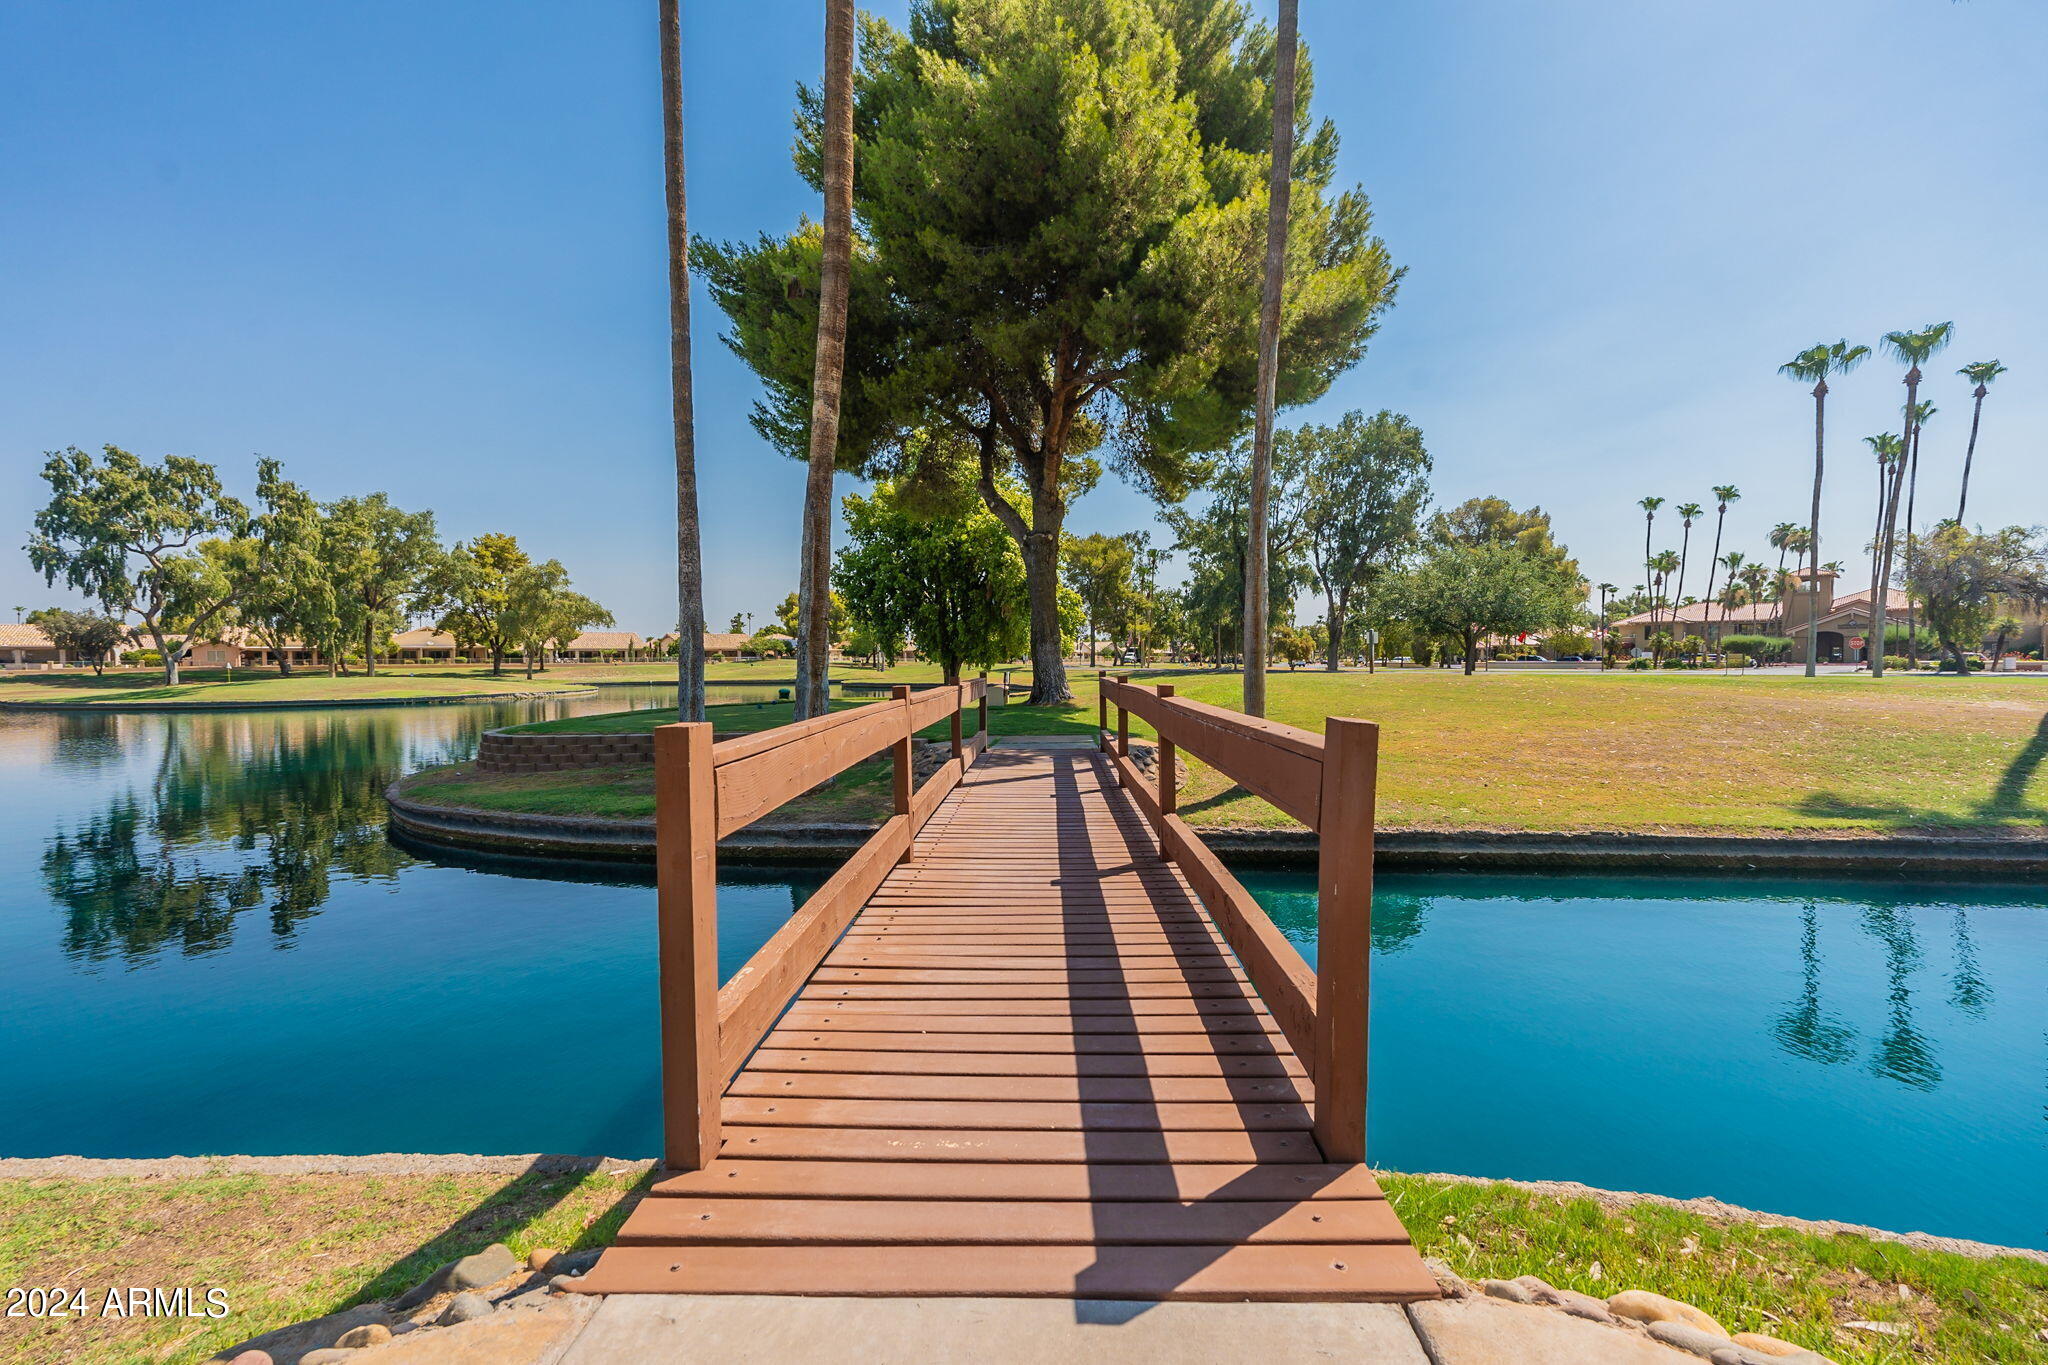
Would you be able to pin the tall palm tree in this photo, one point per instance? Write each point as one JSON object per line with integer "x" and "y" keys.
{"x": 1279, "y": 179}
{"x": 682, "y": 393}
{"x": 1650, "y": 506}
{"x": 1885, "y": 446}
{"x": 1606, "y": 591}
{"x": 1780, "y": 539}
{"x": 1723, "y": 495}
{"x": 1688, "y": 512}
{"x": 1816, "y": 363}
{"x": 1732, "y": 562}
{"x": 1910, "y": 348}
{"x": 814, "y": 584}
{"x": 1980, "y": 373}
{"x": 1663, "y": 565}
{"x": 1921, "y": 413}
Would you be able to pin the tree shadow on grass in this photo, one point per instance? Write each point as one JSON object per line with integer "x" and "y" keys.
{"x": 2006, "y": 803}
{"x": 519, "y": 1204}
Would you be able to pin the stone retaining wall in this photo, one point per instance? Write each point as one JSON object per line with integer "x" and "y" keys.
{"x": 503, "y": 752}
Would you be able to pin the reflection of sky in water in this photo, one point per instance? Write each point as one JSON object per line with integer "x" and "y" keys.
{"x": 207, "y": 944}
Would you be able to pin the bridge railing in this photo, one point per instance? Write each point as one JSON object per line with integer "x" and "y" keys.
{"x": 1328, "y": 782}
{"x": 703, "y": 791}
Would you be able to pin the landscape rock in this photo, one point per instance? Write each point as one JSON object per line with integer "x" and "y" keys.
{"x": 574, "y": 1262}
{"x": 328, "y": 1355}
{"x": 1768, "y": 1345}
{"x": 291, "y": 1343}
{"x": 488, "y": 1266}
{"x": 1539, "y": 1290}
{"x": 1887, "y": 1329}
{"x": 1644, "y": 1306}
{"x": 1735, "y": 1355}
{"x": 1506, "y": 1289}
{"x": 1687, "y": 1337}
{"x": 369, "y": 1334}
{"x": 1450, "y": 1281}
{"x": 537, "y": 1259}
{"x": 564, "y": 1284}
{"x": 463, "y": 1307}
{"x": 1582, "y": 1306}
{"x": 253, "y": 1358}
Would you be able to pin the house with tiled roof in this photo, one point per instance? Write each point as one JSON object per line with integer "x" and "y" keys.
{"x": 1843, "y": 622}
{"x": 426, "y": 645}
{"x": 25, "y": 646}
{"x": 601, "y": 646}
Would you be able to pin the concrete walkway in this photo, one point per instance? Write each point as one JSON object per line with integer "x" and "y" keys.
{"x": 676, "y": 1329}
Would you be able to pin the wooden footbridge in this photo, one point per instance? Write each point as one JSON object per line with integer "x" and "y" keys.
{"x": 1033, "y": 1039}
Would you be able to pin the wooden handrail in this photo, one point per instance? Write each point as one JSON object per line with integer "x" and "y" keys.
{"x": 1329, "y": 783}
{"x": 704, "y": 791}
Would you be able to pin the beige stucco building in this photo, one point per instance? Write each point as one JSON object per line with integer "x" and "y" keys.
{"x": 1842, "y": 621}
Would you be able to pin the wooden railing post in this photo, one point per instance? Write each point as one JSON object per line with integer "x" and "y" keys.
{"x": 686, "y": 916}
{"x": 1123, "y": 725}
{"x": 1102, "y": 709}
{"x": 959, "y": 705}
{"x": 1343, "y": 935}
{"x": 900, "y": 751}
{"x": 981, "y": 709}
{"x": 1166, "y": 756}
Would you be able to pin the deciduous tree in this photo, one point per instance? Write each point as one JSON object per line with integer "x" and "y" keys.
{"x": 124, "y": 531}
{"x": 1362, "y": 486}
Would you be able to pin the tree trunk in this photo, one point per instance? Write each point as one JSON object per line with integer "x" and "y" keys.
{"x": 497, "y": 662}
{"x": 1912, "y": 490}
{"x": 1649, "y": 574}
{"x": 814, "y": 643}
{"x": 1970, "y": 453}
{"x": 682, "y": 393}
{"x": 1713, "y": 563}
{"x": 1471, "y": 651}
{"x": 1257, "y": 631}
{"x": 166, "y": 656}
{"x": 1042, "y": 583}
{"x": 1334, "y": 619}
{"x": 370, "y": 646}
{"x": 1820, "y": 400}
{"x": 1880, "y": 590}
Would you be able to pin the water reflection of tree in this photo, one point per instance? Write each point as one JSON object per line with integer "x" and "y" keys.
{"x": 1904, "y": 1053}
{"x": 1806, "y": 1029}
{"x": 1968, "y": 990}
{"x": 245, "y": 811}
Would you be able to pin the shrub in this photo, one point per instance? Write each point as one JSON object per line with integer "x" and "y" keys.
{"x": 1642, "y": 665}
{"x": 144, "y": 658}
{"x": 1757, "y": 646}
{"x": 1736, "y": 659}
{"x": 1894, "y": 661}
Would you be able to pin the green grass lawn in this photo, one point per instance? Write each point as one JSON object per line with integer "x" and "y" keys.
{"x": 288, "y": 1248}
{"x": 1671, "y": 752}
{"x": 220, "y": 687}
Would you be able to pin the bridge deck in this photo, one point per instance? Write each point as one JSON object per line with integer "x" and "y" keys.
{"x": 1032, "y": 1067}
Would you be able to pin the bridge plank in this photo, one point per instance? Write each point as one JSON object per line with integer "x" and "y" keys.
{"x": 1361, "y": 1273}
{"x": 885, "y": 1222}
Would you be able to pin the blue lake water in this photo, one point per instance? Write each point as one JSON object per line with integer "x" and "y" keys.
{"x": 208, "y": 944}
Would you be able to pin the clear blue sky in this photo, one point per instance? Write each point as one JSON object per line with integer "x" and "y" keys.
{"x": 418, "y": 247}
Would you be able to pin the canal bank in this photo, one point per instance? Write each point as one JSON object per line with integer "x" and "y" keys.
{"x": 582, "y": 838}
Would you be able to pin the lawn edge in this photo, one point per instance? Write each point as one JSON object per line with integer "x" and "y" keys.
{"x": 584, "y": 838}
{"x": 549, "y": 1163}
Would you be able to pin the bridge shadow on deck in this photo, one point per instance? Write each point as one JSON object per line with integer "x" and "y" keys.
{"x": 1085, "y": 912}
